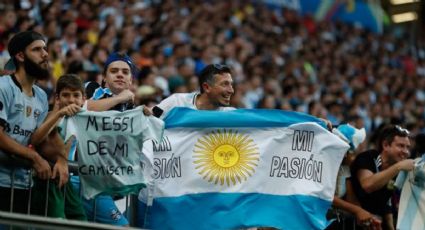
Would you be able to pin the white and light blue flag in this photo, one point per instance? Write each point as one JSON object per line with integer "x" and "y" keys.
{"x": 244, "y": 168}
{"x": 110, "y": 149}
{"x": 411, "y": 210}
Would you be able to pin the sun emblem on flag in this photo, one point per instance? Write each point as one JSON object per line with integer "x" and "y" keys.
{"x": 225, "y": 157}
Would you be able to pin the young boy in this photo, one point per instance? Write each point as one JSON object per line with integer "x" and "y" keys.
{"x": 113, "y": 94}
{"x": 69, "y": 100}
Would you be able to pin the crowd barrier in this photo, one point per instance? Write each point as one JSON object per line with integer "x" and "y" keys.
{"x": 12, "y": 220}
{"x": 342, "y": 220}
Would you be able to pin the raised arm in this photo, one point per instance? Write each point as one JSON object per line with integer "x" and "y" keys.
{"x": 372, "y": 182}
{"x": 108, "y": 103}
{"x": 51, "y": 121}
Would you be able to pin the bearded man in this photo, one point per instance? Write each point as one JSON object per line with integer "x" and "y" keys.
{"x": 23, "y": 107}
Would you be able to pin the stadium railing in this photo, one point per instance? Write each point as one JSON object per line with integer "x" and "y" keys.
{"x": 11, "y": 220}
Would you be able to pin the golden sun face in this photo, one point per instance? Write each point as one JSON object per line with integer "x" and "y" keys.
{"x": 225, "y": 157}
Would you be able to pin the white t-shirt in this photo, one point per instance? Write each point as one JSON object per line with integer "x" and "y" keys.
{"x": 187, "y": 100}
{"x": 161, "y": 110}
{"x": 109, "y": 148}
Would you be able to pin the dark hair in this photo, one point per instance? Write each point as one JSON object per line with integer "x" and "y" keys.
{"x": 20, "y": 41}
{"x": 69, "y": 81}
{"x": 207, "y": 74}
{"x": 75, "y": 67}
{"x": 419, "y": 148}
{"x": 388, "y": 133}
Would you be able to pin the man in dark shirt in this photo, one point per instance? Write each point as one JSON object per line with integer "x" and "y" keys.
{"x": 373, "y": 172}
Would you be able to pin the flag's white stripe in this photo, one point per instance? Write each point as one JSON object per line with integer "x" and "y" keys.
{"x": 170, "y": 184}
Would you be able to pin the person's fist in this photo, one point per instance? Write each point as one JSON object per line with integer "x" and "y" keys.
{"x": 407, "y": 164}
{"x": 41, "y": 167}
{"x": 69, "y": 110}
{"x": 126, "y": 96}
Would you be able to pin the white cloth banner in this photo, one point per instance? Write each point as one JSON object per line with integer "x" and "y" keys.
{"x": 110, "y": 149}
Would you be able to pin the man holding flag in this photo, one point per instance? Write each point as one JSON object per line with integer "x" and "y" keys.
{"x": 373, "y": 172}
{"x": 216, "y": 90}
{"x": 111, "y": 150}
{"x": 223, "y": 170}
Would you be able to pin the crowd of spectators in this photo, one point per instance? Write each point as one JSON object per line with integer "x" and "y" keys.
{"x": 279, "y": 59}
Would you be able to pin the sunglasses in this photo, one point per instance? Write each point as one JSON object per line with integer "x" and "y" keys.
{"x": 221, "y": 67}
{"x": 402, "y": 130}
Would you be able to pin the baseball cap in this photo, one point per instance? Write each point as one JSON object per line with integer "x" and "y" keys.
{"x": 18, "y": 43}
{"x": 10, "y": 65}
{"x": 120, "y": 57}
{"x": 21, "y": 40}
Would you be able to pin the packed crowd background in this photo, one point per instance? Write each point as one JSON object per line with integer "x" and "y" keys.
{"x": 279, "y": 59}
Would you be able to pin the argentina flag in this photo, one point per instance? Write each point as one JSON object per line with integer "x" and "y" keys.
{"x": 411, "y": 210}
{"x": 243, "y": 168}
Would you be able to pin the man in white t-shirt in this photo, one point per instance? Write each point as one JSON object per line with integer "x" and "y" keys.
{"x": 216, "y": 90}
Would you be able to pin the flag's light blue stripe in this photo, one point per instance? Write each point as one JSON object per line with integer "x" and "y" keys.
{"x": 186, "y": 117}
{"x": 239, "y": 210}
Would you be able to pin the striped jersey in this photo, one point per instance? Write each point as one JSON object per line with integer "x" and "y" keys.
{"x": 20, "y": 115}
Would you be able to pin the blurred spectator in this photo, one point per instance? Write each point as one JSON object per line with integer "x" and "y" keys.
{"x": 329, "y": 69}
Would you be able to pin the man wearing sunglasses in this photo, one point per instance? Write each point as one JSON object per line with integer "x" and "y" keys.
{"x": 216, "y": 90}
{"x": 373, "y": 172}
{"x": 411, "y": 212}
